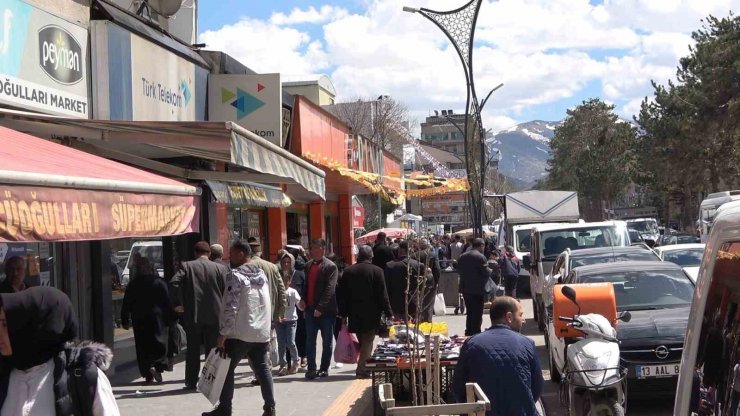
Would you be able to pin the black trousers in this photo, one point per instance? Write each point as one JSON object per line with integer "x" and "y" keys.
{"x": 474, "y": 317}
{"x": 510, "y": 284}
{"x": 198, "y": 334}
{"x": 257, "y": 354}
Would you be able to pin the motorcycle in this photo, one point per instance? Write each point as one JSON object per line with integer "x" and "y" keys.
{"x": 594, "y": 383}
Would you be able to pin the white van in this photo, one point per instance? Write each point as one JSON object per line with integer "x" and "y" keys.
{"x": 548, "y": 241}
{"x": 151, "y": 250}
{"x": 710, "y": 364}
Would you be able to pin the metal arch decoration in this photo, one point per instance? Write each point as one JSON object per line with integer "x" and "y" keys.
{"x": 459, "y": 27}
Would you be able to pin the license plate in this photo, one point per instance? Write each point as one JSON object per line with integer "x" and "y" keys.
{"x": 660, "y": 370}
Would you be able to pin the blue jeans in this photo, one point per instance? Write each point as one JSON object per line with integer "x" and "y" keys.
{"x": 286, "y": 340}
{"x": 325, "y": 324}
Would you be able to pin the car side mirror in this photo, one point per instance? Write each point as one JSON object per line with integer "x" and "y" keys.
{"x": 625, "y": 316}
{"x": 569, "y": 293}
{"x": 527, "y": 261}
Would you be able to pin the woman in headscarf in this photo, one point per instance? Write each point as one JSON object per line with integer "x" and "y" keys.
{"x": 15, "y": 273}
{"x": 42, "y": 372}
{"x": 147, "y": 305}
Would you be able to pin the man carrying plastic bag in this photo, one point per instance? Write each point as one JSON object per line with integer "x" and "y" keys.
{"x": 245, "y": 327}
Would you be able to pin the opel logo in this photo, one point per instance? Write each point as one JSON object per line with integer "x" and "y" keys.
{"x": 662, "y": 352}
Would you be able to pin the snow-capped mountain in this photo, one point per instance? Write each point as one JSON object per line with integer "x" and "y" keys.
{"x": 525, "y": 149}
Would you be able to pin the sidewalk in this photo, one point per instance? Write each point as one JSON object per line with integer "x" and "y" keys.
{"x": 338, "y": 395}
{"x": 294, "y": 394}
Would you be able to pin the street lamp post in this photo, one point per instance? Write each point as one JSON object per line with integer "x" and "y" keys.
{"x": 459, "y": 27}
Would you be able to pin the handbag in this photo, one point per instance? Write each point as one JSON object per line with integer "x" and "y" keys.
{"x": 347, "y": 350}
{"x": 213, "y": 376}
{"x": 440, "y": 308}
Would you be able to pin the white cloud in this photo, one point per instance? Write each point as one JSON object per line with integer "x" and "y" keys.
{"x": 254, "y": 43}
{"x": 543, "y": 51}
{"x": 310, "y": 15}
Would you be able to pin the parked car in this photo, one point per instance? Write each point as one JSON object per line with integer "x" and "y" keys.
{"x": 571, "y": 259}
{"x": 710, "y": 369}
{"x": 687, "y": 256}
{"x": 681, "y": 239}
{"x": 647, "y": 228}
{"x": 151, "y": 250}
{"x": 658, "y": 295}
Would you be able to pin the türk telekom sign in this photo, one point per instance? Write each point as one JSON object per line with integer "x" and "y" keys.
{"x": 43, "y": 61}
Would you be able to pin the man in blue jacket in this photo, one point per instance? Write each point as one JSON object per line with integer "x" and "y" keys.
{"x": 503, "y": 362}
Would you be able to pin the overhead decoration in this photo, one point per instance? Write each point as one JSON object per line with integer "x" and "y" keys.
{"x": 372, "y": 181}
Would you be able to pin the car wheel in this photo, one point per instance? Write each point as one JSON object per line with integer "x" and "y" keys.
{"x": 541, "y": 320}
{"x": 554, "y": 373}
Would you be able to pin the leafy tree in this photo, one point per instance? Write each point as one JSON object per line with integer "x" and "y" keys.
{"x": 591, "y": 153}
{"x": 689, "y": 136}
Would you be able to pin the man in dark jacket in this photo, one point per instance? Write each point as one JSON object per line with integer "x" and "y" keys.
{"x": 199, "y": 287}
{"x": 382, "y": 253}
{"x": 398, "y": 274}
{"x": 510, "y": 268}
{"x": 426, "y": 257}
{"x": 503, "y": 362}
{"x": 474, "y": 274}
{"x": 319, "y": 302}
{"x": 363, "y": 299}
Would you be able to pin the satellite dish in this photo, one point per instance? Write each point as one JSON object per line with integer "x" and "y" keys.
{"x": 165, "y": 8}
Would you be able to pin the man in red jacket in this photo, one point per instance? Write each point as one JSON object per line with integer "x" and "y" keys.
{"x": 319, "y": 302}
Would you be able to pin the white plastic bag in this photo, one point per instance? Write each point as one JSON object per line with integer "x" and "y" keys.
{"x": 212, "y": 377}
{"x": 440, "y": 308}
{"x": 274, "y": 356}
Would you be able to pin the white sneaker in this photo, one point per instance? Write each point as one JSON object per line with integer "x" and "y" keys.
{"x": 338, "y": 365}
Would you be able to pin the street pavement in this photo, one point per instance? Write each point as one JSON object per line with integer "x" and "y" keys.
{"x": 339, "y": 394}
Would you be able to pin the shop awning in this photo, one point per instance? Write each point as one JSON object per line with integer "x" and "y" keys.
{"x": 51, "y": 192}
{"x": 249, "y": 194}
{"x": 152, "y": 140}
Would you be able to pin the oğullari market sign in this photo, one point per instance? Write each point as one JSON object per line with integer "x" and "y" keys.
{"x": 55, "y": 214}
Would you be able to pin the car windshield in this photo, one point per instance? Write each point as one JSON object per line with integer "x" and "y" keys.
{"x": 643, "y": 226}
{"x": 151, "y": 253}
{"x": 556, "y": 241}
{"x": 523, "y": 240}
{"x": 647, "y": 289}
{"x": 642, "y": 255}
{"x": 685, "y": 258}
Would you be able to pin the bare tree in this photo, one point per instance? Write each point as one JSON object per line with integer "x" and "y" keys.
{"x": 384, "y": 121}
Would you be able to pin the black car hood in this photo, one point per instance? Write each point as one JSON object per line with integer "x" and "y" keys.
{"x": 662, "y": 325}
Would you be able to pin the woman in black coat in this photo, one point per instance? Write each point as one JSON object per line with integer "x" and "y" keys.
{"x": 147, "y": 305}
{"x": 364, "y": 298}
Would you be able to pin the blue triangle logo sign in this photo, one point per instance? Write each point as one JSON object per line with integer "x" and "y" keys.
{"x": 246, "y": 104}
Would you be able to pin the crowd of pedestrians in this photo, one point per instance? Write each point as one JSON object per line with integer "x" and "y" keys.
{"x": 241, "y": 304}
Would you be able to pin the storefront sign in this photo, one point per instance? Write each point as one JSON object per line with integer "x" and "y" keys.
{"x": 56, "y": 214}
{"x": 143, "y": 81}
{"x": 244, "y": 194}
{"x": 43, "y": 61}
{"x": 253, "y": 101}
{"x": 358, "y": 217}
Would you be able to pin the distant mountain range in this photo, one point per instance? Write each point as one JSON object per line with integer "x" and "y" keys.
{"x": 525, "y": 149}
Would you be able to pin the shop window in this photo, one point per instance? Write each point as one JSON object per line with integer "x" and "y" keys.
{"x": 38, "y": 262}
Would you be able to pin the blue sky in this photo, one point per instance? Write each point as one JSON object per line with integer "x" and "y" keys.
{"x": 550, "y": 54}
